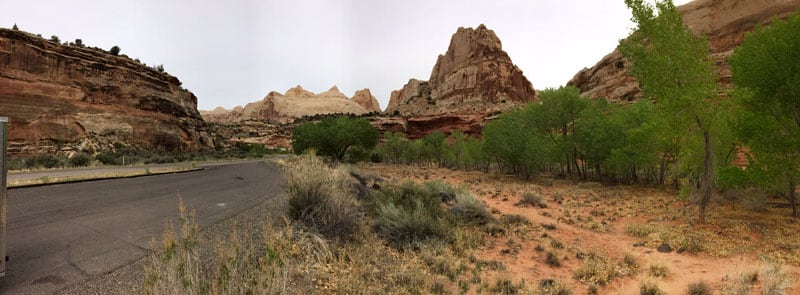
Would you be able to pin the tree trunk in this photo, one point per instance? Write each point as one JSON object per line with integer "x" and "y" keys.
{"x": 793, "y": 196}
{"x": 705, "y": 180}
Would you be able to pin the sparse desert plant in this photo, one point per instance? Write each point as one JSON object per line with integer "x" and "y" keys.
{"x": 740, "y": 285}
{"x": 699, "y": 288}
{"x": 774, "y": 280}
{"x": 692, "y": 243}
{"x": 658, "y": 270}
{"x": 630, "y": 262}
{"x": 554, "y": 287}
{"x": 514, "y": 220}
{"x": 320, "y": 198}
{"x": 470, "y": 210}
{"x": 506, "y": 286}
{"x": 532, "y": 199}
{"x": 409, "y": 224}
{"x": 596, "y": 270}
{"x": 639, "y": 230}
{"x": 551, "y": 258}
{"x": 648, "y": 287}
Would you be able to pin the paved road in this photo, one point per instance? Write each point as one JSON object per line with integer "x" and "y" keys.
{"x": 61, "y": 234}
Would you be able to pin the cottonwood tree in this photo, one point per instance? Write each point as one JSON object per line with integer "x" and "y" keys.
{"x": 334, "y": 137}
{"x": 673, "y": 67}
{"x": 766, "y": 71}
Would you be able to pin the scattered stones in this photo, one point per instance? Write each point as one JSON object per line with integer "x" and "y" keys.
{"x": 664, "y": 248}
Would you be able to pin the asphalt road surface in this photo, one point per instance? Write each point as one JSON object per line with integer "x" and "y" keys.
{"x": 59, "y": 235}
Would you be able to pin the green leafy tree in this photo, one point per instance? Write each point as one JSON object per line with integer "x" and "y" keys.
{"x": 560, "y": 108}
{"x": 434, "y": 146}
{"x": 766, "y": 71}
{"x": 15, "y": 28}
{"x": 79, "y": 42}
{"x": 514, "y": 142}
{"x": 55, "y": 39}
{"x": 674, "y": 68}
{"x": 335, "y": 137}
{"x": 115, "y": 50}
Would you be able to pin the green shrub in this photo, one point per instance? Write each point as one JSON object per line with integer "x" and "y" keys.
{"x": 80, "y": 160}
{"x": 43, "y": 161}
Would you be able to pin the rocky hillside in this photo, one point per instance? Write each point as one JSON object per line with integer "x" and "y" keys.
{"x": 473, "y": 80}
{"x": 296, "y": 103}
{"x": 724, "y": 22}
{"x": 69, "y": 98}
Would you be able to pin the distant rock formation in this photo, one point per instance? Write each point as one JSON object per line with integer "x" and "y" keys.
{"x": 62, "y": 98}
{"x": 475, "y": 78}
{"x": 296, "y": 103}
{"x": 724, "y": 22}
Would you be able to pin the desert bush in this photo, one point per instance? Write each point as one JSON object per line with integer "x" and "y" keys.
{"x": 80, "y": 160}
{"x": 699, "y": 288}
{"x": 630, "y": 261}
{"x": 754, "y": 202}
{"x": 43, "y": 161}
{"x": 551, "y": 258}
{"x": 596, "y": 270}
{"x": 469, "y": 210}
{"x": 409, "y": 225}
{"x": 658, "y": 270}
{"x": 648, "y": 287}
{"x": 514, "y": 220}
{"x": 506, "y": 286}
{"x": 639, "y": 230}
{"x": 533, "y": 199}
{"x": 554, "y": 287}
{"x": 775, "y": 281}
{"x": 691, "y": 242}
{"x": 321, "y": 198}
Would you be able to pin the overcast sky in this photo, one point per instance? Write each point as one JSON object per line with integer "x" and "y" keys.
{"x": 236, "y": 51}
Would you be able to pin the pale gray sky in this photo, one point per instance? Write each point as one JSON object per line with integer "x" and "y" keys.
{"x": 234, "y": 52}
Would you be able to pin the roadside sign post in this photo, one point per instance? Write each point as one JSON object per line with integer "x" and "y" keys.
{"x": 3, "y": 178}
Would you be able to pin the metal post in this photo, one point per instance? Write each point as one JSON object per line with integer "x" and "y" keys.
{"x": 3, "y": 198}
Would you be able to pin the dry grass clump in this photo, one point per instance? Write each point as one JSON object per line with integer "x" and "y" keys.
{"x": 505, "y": 286}
{"x": 648, "y": 287}
{"x": 554, "y": 287}
{"x": 658, "y": 270}
{"x": 775, "y": 281}
{"x": 639, "y": 230}
{"x": 321, "y": 198}
{"x": 597, "y": 270}
{"x": 532, "y": 199}
{"x": 699, "y": 288}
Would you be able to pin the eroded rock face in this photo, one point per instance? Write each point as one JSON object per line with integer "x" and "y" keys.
{"x": 54, "y": 93}
{"x": 475, "y": 76}
{"x": 724, "y": 22}
{"x": 365, "y": 99}
{"x": 473, "y": 81}
{"x": 296, "y": 103}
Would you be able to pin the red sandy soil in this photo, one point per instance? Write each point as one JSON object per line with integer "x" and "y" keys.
{"x": 608, "y": 209}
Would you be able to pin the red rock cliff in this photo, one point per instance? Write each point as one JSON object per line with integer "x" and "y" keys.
{"x": 78, "y": 98}
{"x": 724, "y": 22}
{"x": 473, "y": 80}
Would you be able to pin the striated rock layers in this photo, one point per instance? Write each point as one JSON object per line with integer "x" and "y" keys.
{"x": 724, "y": 22}
{"x": 62, "y": 98}
{"x": 297, "y": 103}
{"x": 474, "y": 79}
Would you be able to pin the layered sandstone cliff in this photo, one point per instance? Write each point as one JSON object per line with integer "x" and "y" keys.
{"x": 724, "y": 22}
{"x": 474, "y": 76}
{"x": 297, "y": 103}
{"x": 68, "y": 97}
{"x": 474, "y": 80}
